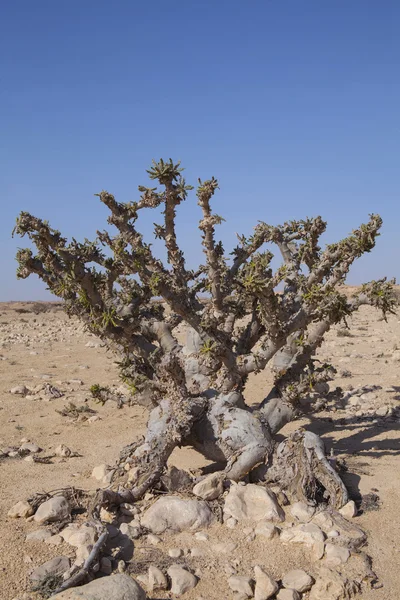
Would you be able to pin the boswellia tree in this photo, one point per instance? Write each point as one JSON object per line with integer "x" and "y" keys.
{"x": 239, "y": 314}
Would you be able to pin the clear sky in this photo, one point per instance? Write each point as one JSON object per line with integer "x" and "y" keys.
{"x": 294, "y": 105}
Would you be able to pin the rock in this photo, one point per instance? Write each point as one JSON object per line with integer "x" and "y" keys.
{"x": 224, "y": 548}
{"x": 298, "y": 580}
{"x": 349, "y": 510}
{"x": 30, "y": 447}
{"x": 156, "y": 579}
{"x": 63, "y": 451}
{"x": 21, "y": 509}
{"x": 287, "y": 594}
{"x": 82, "y": 553}
{"x": 231, "y": 523}
{"x": 103, "y": 474}
{"x": 55, "y": 509}
{"x": 318, "y": 550}
{"x": 176, "y": 480}
{"x": 82, "y": 536}
{"x": 211, "y": 487}
{"x": 308, "y": 534}
{"x": 181, "y": 580}
{"x": 54, "y": 540}
{"x": 176, "y": 514}
{"x": 336, "y": 555}
{"x": 201, "y": 536}
{"x": 130, "y": 510}
{"x": 106, "y": 565}
{"x": 302, "y": 512}
{"x": 331, "y": 586}
{"x": 153, "y": 539}
{"x": 266, "y": 530}
{"x": 55, "y": 566}
{"x": 252, "y": 502}
{"x": 175, "y": 552}
{"x": 241, "y": 585}
{"x": 21, "y": 390}
{"x": 265, "y": 586}
{"x": 132, "y": 531}
{"x": 116, "y": 587}
{"x": 38, "y": 536}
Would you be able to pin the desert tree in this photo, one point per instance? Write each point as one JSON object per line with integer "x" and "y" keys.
{"x": 240, "y": 316}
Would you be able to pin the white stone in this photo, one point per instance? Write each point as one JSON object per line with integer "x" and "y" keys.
{"x": 114, "y": 587}
{"x": 241, "y": 585}
{"x": 63, "y": 451}
{"x": 252, "y": 502}
{"x": 224, "y": 548}
{"x": 176, "y": 514}
{"x": 181, "y": 580}
{"x": 349, "y": 510}
{"x": 156, "y": 579}
{"x": 286, "y": 594}
{"x": 302, "y": 512}
{"x": 298, "y": 580}
{"x": 336, "y": 555}
{"x": 20, "y": 509}
{"x": 308, "y": 534}
{"x": 19, "y": 389}
{"x": 84, "y": 536}
{"x": 132, "y": 531}
{"x": 265, "y": 586}
{"x": 30, "y": 447}
{"x": 211, "y": 487}
{"x": 266, "y": 530}
{"x": 40, "y": 535}
{"x": 329, "y": 586}
{"x": 231, "y": 523}
{"x": 175, "y": 552}
{"x": 54, "y": 540}
{"x": 55, "y": 509}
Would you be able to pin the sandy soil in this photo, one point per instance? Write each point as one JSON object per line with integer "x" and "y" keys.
{"x": 36, "y": 348}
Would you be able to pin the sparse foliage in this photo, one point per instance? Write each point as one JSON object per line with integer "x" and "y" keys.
{"x": 240, "y": 314}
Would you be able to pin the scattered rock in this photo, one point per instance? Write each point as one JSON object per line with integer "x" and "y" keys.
{"x": 252, "y": 502}
{"x": 297, "y": 580}
{"x": 266, "y": 530}
{"x": 153, "y": 539}
{"x": 224, "y": 548}
{"x": 302, "y": 512}
{"x": 132, "y": 531}
{"x": 79, "y": 536}
{"x": 20, "y": 390}
{"x": 21, "y": 509}
{"x": 115, "y": 587}
{"x": 175, "y": 552}
{"x": 287, "y": 594}
{"x": 40, "y": 535}
{"x": 55, "y": 509}
{"x": 231, "y": 523}
{"x": 55, "y": 566}
{"x": 181, "y": 580}
{"x": 331, "y": 586}
{"x": 349, "y": 510}
{"x": 336, "y": 555}
{"x": 308, "y": 534}
{"x": 156, "y": 579}
{"x": 30, "y": 447}
{"x": 54, "y": 540}
{"x": 265, "y": 586}
{"x": 176, "y": 514}
{"x": 176, "y": 480}
{"x": 63, "y": 451}
{"x": 241, "y": 585}
{"x": 211, "y": 487}
{"x": 103, "y": 474}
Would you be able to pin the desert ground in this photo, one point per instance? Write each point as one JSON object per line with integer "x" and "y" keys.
{"x": 40, "y": 345}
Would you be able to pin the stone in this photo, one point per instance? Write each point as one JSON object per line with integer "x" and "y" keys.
{"x": 181, "y": 580}
{"x": 153, "y": 539}
{"x": 176, "y": 480}
{"x": 349, "y": 510}
{"x": 286, "y": 594}
{"x": 336, "y": 555}
{"x": 63, "y": 451}
{"x": 175, "y": 552}
{"x": 156, "y": 579}
{"x": 132, "y": 531}
{"x": 308, "y": 534}
{"x": 318, "y": 550}
{"x": 298, "y": 580}
{"x": 20, "y": 510}
{"x": 55, "y": 566}
{"x": 82, "y": 536}
{"x": 30, "y": 447}
{"x": 116, "y": 587}
{"x": 252, "y": 502}
{"x": 265, "y": 586}
{"x": 224, "y": 548}
{"x": 241, "y": 585}
{"x": 55, "y": 509}
{"x": 20, "y": 390}
{"x": 331, "y": 586}
{"x": 129, "y": 510}
{"x": 211, "y": 487}
{"x": 201, "y": 536}
{"x": 103, "y": 474}
{"x": 82, "y": 553}
{"x": 302, "y": 512}
{"x": 106, "y": 565}
{"x": 231, "y": 523}
{"x": 54, "y": 540}
{"x": 266, "y": 530}
{"x": 40, "y": 535}
{"x": 176, "y": 514}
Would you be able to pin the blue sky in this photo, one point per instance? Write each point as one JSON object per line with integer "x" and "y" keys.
{"x": 292, "y": 104}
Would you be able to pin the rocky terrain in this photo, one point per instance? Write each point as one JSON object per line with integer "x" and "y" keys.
{"x": 216, "y": 540}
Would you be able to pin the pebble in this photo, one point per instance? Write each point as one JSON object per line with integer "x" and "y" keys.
{"x": 241, "y": 585}
{"x": 298, "y": 580}
{"x": 265, "y": 586}
{"x": 156, "y": 579}
{"x": 181, "y": 580}
{"x": 349, "y": 510}
{"x": 175, "y": 552}
{"x": 20, "y": 510}
{"x": 336, "y": 555}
